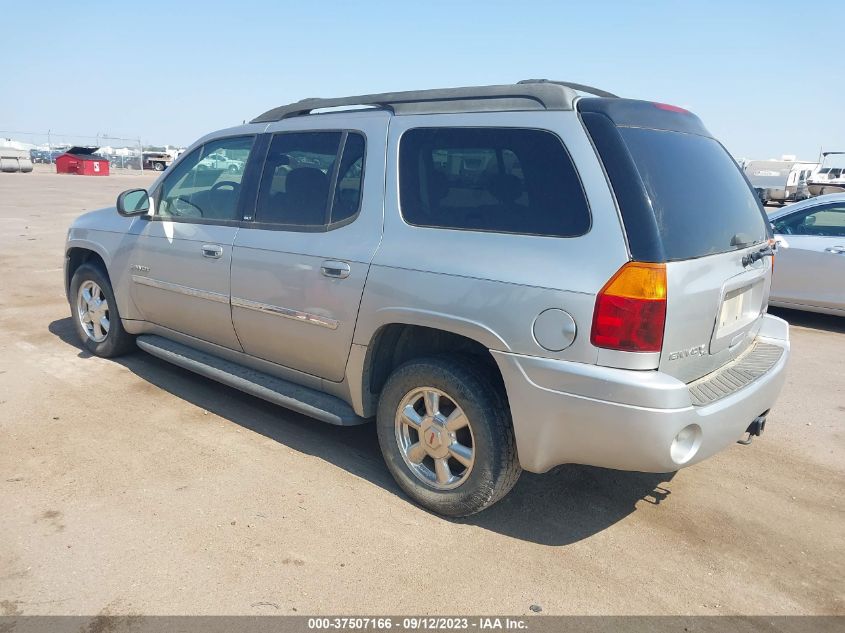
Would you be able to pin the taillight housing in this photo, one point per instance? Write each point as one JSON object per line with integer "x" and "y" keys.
{"x": 630, "y": 312}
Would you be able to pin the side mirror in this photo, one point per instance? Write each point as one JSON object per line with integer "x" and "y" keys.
{"x": 780, "y": 242}
{"x": 133, "y": 202}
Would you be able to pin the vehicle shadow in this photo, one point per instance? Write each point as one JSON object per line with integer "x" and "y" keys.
{"x": 561, "y": 507}
{"x": 813, "y": 320}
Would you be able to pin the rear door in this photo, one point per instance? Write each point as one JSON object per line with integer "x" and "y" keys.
{"x": 298, "y": 271}
{"x": 811, "y": 269}
{"x": 685, "y": 202}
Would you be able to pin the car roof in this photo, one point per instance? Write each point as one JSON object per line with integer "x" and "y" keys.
{"x": 809, "y": 202}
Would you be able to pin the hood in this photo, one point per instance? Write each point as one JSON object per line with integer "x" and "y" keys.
{"x": 106, "y": 219}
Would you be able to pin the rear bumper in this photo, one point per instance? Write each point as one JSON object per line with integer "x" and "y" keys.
{"x": 566, "y": 412}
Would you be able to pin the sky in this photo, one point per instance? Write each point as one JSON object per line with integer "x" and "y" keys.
{"x": 766, "y": 77}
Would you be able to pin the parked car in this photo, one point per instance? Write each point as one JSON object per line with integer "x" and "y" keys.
{"x": 45, "y": 156}
{"x": 218, "y": 160}
{"x": 563, "y": 312}
{"x": 125, "y": 162}
{"x": 810, "y": 273}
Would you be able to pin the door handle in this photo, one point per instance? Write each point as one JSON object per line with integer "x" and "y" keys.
{"x": 337, "y": 270}
{"x": 836, "y": 250}
{"x": 212, "y": 251}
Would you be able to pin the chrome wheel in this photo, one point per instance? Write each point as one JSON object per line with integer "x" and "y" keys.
{"x": 92, "y": 309}
{"x": 435, "y": 438}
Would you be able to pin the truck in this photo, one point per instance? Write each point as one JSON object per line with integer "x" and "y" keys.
{"x": 157, "y": 161}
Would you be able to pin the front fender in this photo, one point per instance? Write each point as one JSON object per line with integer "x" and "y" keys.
{"x": 85, "y": 244}
{"x": 113, "y": 248}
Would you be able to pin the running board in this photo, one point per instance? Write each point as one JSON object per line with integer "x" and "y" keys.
{"x": 310, "y": 402}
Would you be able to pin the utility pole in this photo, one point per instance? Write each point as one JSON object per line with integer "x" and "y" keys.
{"x": 141, "y": 154}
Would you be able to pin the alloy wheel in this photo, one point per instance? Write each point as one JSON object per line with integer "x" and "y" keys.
{"x": 92, "y": 308}
{"x": 435, "y": 438}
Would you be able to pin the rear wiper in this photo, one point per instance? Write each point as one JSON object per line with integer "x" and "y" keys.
{"x": 767, "y": 251}
{"x": 742, "y": 240}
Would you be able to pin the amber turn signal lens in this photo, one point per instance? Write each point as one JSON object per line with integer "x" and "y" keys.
{"x": 638, "y": 280}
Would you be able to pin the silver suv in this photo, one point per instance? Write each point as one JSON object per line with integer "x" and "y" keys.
{"x": 505, "y": 277}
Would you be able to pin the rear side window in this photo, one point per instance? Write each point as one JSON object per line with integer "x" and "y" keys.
{"x": 350, "y": 176}
{"x": 702, "y": 203}
{"x": 503, "y": 180}
{"x": 311, "y": 179}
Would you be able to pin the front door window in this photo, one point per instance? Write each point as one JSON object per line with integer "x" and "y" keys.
{"x": 206, "y": 185}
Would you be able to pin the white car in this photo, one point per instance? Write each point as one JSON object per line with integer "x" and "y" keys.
{"x": 220, "y": 161}
{"x": 810, "y": 265}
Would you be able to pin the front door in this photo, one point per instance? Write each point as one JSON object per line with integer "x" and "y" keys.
{"x": 298, "y": 273}
{"x": 181, "y": 259}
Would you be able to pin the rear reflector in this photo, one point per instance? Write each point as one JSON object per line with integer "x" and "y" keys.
{"x": 630, "y": 311}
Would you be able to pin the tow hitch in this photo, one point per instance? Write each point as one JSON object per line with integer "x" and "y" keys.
{"x": 755, "y": 428}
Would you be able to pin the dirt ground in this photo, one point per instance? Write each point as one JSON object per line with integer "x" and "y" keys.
{"x": 135, "y": 487}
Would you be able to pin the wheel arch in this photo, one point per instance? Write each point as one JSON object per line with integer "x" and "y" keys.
{"x": 78, "y": 254}
{"x": 397, "y": 342}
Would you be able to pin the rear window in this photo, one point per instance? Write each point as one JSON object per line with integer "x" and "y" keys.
{"x": 701, "y": 201}
{"x": 680, "y": 193}
{"x": 501, "y": 180}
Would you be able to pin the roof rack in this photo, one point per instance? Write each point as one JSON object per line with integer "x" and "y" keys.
{"x": 568, "y": 84}
{"x": 529, "y": 94}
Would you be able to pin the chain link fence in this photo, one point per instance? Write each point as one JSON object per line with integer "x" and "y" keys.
{"x": 122, "y": 152}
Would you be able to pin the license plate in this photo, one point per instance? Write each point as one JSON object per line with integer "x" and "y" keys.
{"x": 737, "y": 310}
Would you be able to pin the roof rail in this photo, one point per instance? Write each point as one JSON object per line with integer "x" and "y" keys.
{"x": 533, "y": 94}
{"x": 579, "y": 87}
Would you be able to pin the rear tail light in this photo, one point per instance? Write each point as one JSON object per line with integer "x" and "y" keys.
{"x": 670, "y": 108}
{"x": 630, "y": 310}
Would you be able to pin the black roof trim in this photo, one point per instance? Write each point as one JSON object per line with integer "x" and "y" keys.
{"x": 579, "y": 87}
{"x": 636, "y": 113}
{"x": 529, "y": 94}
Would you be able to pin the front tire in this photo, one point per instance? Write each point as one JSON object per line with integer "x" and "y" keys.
{"x": 445, "y": 432}
{"x": 95, "y": 315}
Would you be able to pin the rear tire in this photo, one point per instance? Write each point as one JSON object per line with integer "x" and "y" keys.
{"x": 94, "y": 313}
{"x": 445, "y": 432}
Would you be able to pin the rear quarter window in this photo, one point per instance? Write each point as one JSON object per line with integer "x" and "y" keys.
{"x": 503, "y": 180}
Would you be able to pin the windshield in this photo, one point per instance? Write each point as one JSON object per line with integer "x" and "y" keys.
{"x": 701, "y": 201}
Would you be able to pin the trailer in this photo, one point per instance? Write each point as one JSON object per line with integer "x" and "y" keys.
{"x": 157, "y": 161}
{"x": 779, "y": 181}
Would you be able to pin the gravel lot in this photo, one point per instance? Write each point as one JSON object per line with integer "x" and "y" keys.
{"x": 134, "y": 487}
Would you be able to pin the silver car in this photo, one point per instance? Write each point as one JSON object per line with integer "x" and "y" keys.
{"x": 810, "y": 271}
{"x": 502, "y": 278}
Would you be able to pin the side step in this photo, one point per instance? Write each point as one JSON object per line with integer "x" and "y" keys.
{"x": 282, "y": 392}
